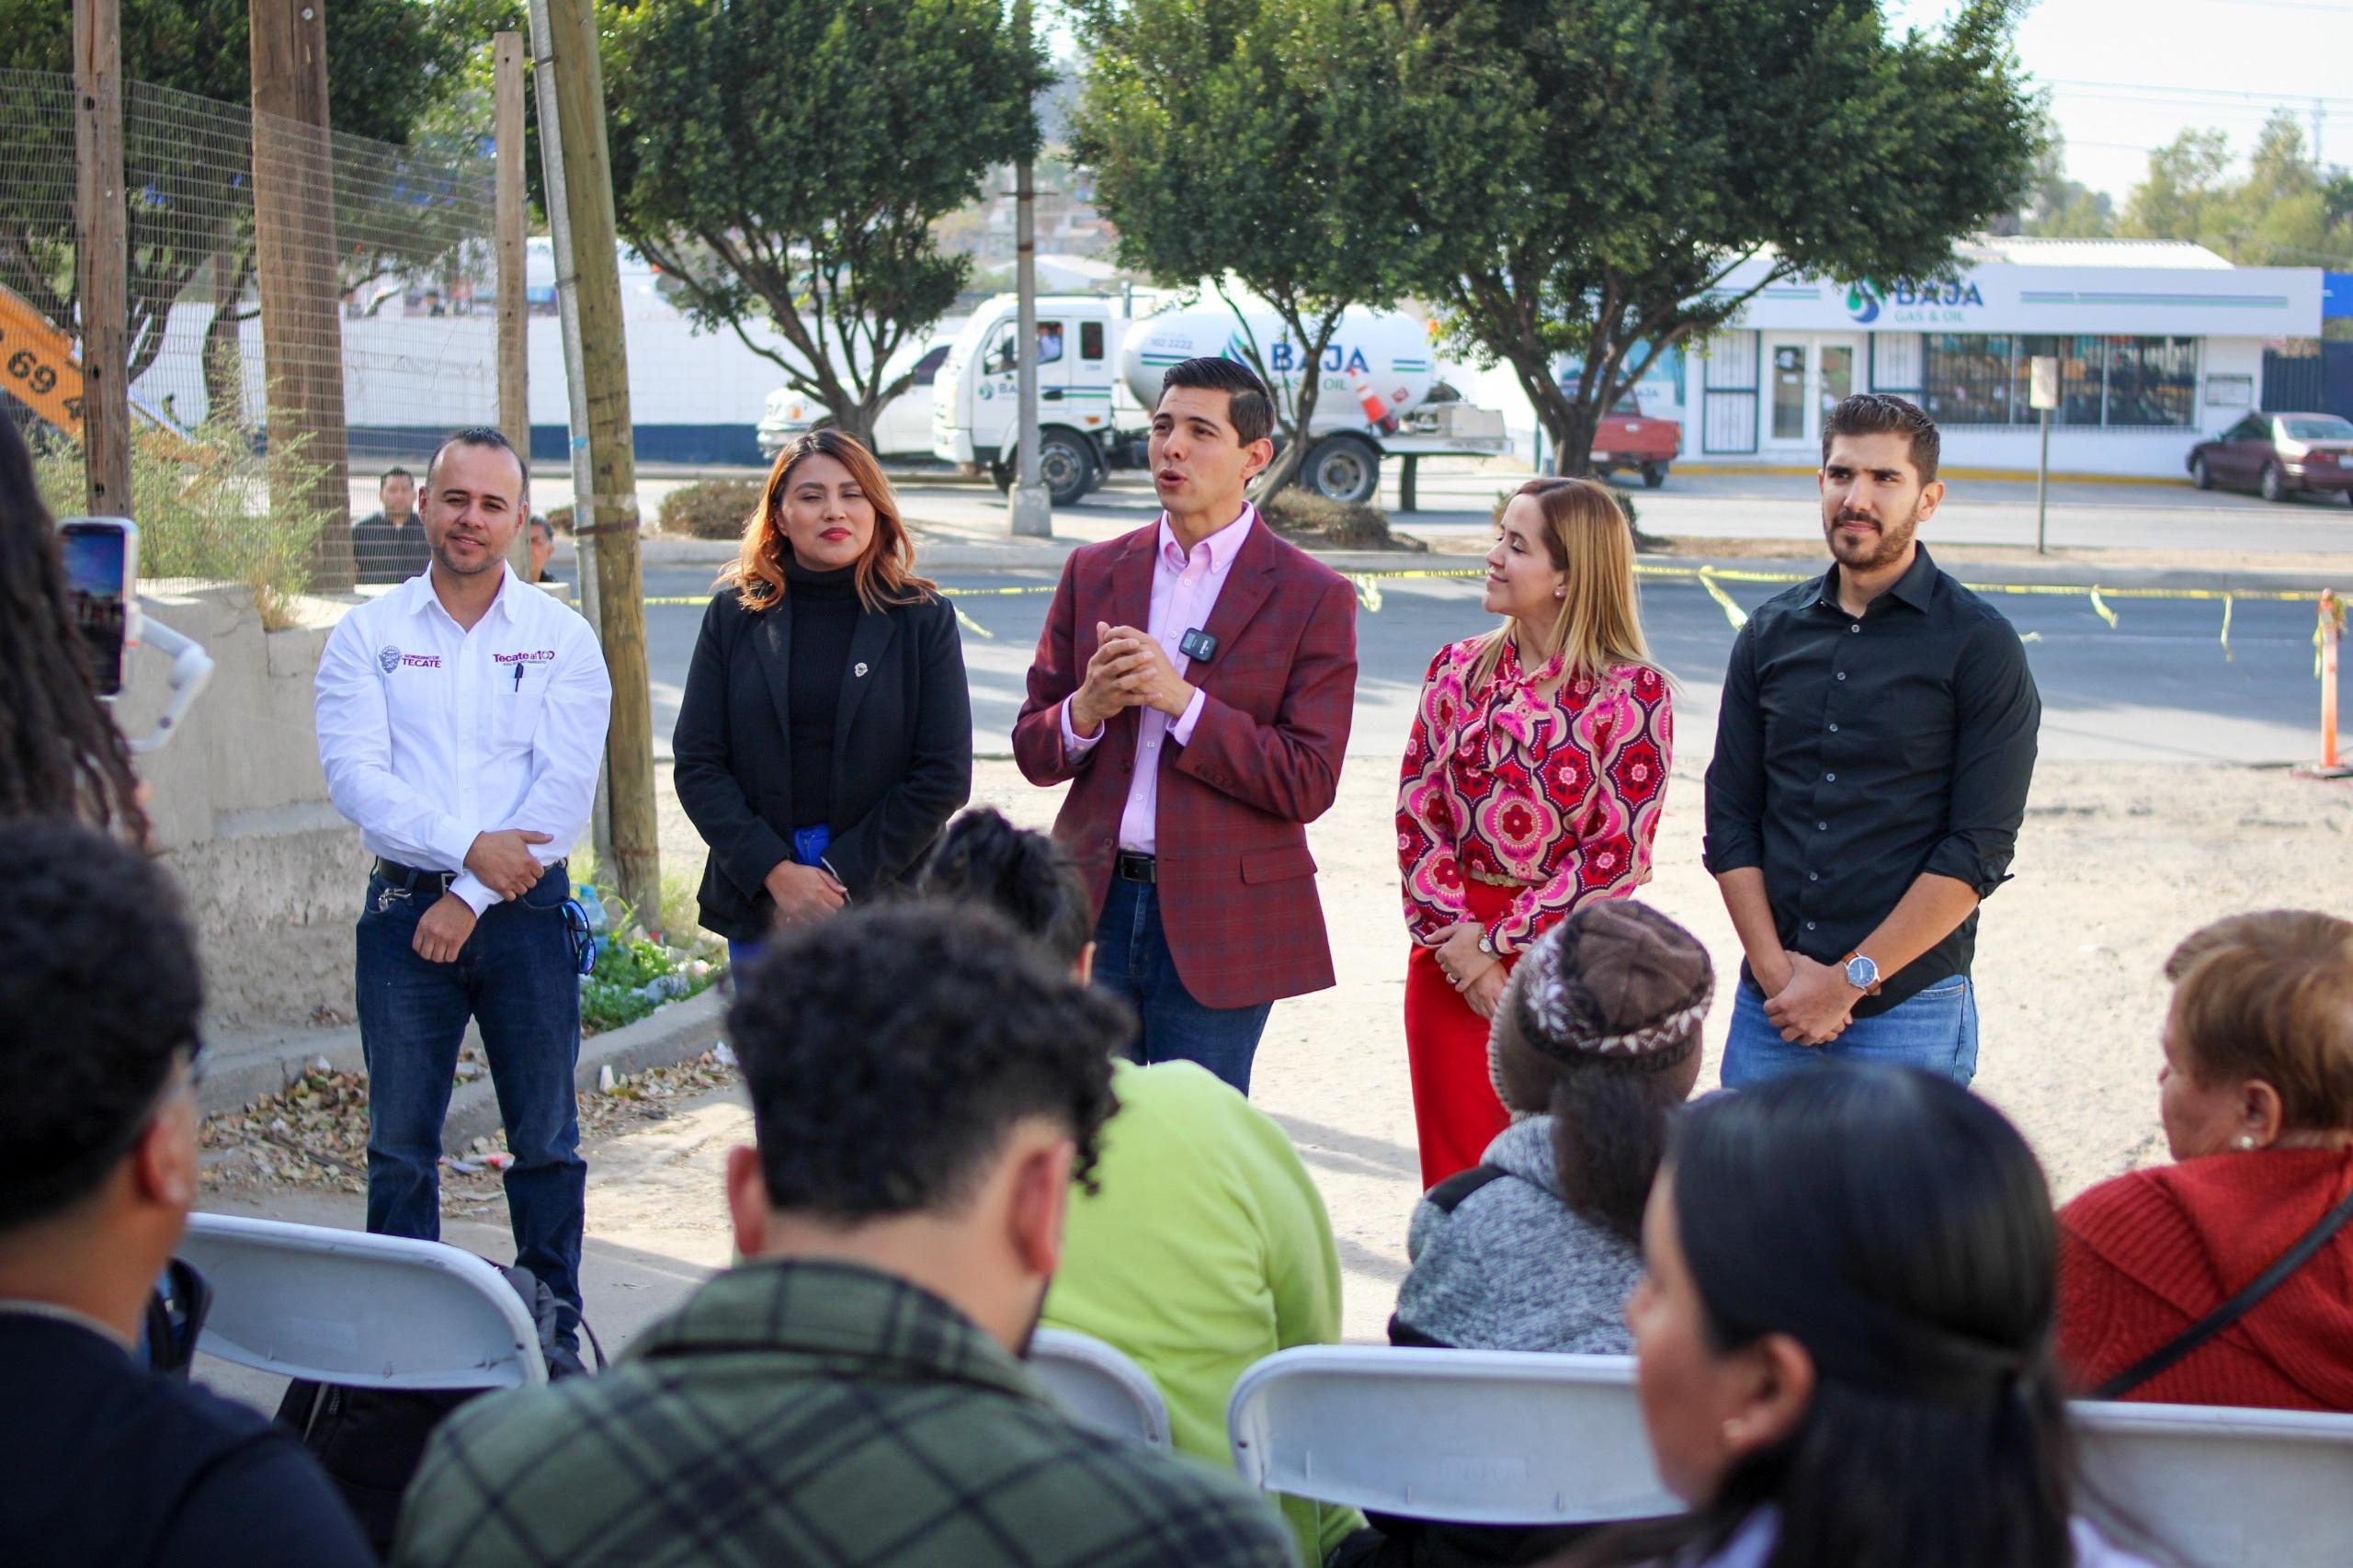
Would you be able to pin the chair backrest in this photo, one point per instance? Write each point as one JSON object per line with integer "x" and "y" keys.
{"x": 1473, "y": 1436}
{"x": 347, "y": 1306}
{"x": 2221, "y": 1487}
{"x": 1099, "y": 1387}
{"x": 1485, "y": 1437}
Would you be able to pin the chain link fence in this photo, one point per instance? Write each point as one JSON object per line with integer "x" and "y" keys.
{"x": 257, "y": 430}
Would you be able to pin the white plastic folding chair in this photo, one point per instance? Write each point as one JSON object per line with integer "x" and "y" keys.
{"x": 1470, "y": 1436}
{"x": 347, "y": 1306}
{"x": 1097, "y": 1386}
{"x": 2222, "y": 1487}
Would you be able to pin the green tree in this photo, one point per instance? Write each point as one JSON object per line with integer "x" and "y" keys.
{"x": 1620, "y": 162}
{"x": 786, "y": 159}
{"x": 391, "y": 63}
{"x": 2281, "y": 212}
{"x": 1254, "y": 143}
{"x": 2059, "y": 207}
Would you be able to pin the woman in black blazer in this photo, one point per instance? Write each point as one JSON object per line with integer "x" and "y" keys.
{"x": 826, "y": 733}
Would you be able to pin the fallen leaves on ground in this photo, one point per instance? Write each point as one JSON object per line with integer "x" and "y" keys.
{"x": 314, "y": 1132}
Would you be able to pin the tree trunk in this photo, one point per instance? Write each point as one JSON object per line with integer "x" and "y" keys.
{"x": 224, "y": 365}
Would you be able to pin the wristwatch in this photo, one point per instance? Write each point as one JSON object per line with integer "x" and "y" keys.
{"x": 1487, "y": 944}
{"x": 1862, "y": 973}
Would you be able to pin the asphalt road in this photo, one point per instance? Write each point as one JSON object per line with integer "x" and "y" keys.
{"x": 2158, "y": 687}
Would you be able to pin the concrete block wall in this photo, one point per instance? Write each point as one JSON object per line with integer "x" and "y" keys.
{"x": 272, "y": 876}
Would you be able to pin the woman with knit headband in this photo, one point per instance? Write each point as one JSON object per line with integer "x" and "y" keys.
{"x": 1538, "y": 1246}
{"x": 1532, "y": 786}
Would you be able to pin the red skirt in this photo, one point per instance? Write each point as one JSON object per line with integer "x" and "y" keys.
{"x": 1456, "y": 1113}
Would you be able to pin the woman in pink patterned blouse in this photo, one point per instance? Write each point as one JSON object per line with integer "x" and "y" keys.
{"x": 1532, "y": 784}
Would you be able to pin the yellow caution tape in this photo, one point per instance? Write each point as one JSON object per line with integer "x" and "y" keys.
{"x": 1367, "y": 589}
{"x": 2099, "y": 607}
{"x": 969, "y": 624}
{"x": 2228, "y": 657}
{"x": 1733, "y": 612}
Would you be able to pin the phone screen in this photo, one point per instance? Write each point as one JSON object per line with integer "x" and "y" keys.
{"x": 98, "y": 588}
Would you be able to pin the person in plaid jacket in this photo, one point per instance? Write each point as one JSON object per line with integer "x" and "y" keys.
{"x": 1194, "y": 686}
{"x": 925, "y": 1091}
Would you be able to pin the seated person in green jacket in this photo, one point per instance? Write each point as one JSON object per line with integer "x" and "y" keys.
{"x": 925, "y": 1090}
{"x": 1204, "y": 1246}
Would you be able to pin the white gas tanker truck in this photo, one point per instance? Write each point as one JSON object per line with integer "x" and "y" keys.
{"x": 1099, "y": 377}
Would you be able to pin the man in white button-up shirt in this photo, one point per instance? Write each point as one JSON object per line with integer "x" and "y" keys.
{"x": 461, "y": 722}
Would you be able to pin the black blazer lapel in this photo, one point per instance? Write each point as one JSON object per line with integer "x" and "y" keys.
{"x": 772, "y": 639}
{"x": 869, "y": 641}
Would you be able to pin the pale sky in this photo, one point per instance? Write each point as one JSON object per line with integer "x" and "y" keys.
{"x": 2127, "y": 75}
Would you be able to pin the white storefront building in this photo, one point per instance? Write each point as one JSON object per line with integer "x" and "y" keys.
{"x": 2160, "y": 344}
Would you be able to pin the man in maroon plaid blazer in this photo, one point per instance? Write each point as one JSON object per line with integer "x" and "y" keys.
{"x": 1195, "y": 684}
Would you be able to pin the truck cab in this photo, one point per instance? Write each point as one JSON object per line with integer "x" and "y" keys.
{"x": 976, "y": 404}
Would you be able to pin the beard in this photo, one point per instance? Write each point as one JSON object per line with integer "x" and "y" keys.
{"x": 1872, "y": 551}
{"x": 489, "y": 559}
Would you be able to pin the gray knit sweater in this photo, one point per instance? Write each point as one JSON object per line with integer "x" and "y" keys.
{"x": 1513, "y": 1267}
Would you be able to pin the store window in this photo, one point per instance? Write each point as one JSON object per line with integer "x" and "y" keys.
{"x": 1965, "y": 378}
{"x": 1982, "y": 379}
{"x": 2152, "y": 381}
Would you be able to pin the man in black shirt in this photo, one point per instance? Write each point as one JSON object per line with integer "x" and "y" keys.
{"x": 101, "y": 1459}
{"x": 389, "y": 545}
{"x": 1873, "y": 751}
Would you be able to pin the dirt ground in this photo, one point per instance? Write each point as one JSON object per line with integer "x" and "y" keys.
{"x": 2117, "y": 863}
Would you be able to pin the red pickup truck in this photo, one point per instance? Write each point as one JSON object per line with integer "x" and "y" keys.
{"x": 1629, "y": 439}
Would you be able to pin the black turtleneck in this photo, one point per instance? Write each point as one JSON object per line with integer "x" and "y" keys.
{"x": 824, "y": 613}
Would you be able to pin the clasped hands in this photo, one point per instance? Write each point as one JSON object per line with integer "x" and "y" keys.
{"x": 1809, "y": 1001}
{"x": 1477, "y": 974}
{"x": 504, "y": 863}
{"x": 1130, "y": 669}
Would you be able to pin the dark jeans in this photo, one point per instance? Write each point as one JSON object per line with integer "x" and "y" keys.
{"x": 1132, "y": 960}
{"x": 518, "y": 978}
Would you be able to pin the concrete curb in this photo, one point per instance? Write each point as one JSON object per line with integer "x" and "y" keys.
{"x": 664, "y": 1038}
{"x": 669, "y": 1035}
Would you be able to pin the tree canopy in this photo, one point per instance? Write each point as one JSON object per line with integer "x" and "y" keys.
{"x": 1255, "y": 140}
{"x": 1619, "y": 160}
{"x": 786, "y": 159}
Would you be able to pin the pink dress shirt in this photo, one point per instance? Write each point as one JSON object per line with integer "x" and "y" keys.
{"x": 1184, "y": 591}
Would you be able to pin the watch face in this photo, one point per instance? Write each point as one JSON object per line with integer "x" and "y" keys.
{"x": 1861, "y": 973}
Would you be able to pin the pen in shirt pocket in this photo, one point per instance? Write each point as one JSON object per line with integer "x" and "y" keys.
{"x": 519, "y": 679}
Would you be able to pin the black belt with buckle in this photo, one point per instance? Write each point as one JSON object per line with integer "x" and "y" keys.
{"x": 409, "y": 878}
{"x": 1135, "y": 867}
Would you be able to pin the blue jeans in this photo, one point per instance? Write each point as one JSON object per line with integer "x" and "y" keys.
{"x": 1131, "y": 961}
{"x": 1935, "y": 1029}
{"x": 518, "y": 978}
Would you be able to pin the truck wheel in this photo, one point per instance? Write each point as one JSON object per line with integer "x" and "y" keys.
{"x": 1066, "y": 464}
{"x": 1001, "y": 474}
{"x": 1653, "y": 475}
{"x": 1344, "y": 467}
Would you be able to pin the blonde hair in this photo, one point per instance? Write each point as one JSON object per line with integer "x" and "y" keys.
{"x": 2270, "y": 996}
{"x": 886, "y": 569}
{"x": 1600, "y": 621}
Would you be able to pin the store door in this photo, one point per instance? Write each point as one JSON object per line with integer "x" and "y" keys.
{"x": 1807, "y": 375}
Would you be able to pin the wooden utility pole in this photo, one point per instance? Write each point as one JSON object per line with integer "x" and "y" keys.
{"x": 564, "y": 44}
{"x": 514, "y": 320}
{"x": 100, "y": 260}
{"x": 295, "y": 257}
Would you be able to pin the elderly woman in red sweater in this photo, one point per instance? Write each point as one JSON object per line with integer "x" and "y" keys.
{"x": 2257, "y": 1098}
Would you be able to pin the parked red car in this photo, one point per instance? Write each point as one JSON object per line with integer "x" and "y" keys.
{"x": 1628, "y": 439}
{"x": 2278, "y": 455}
